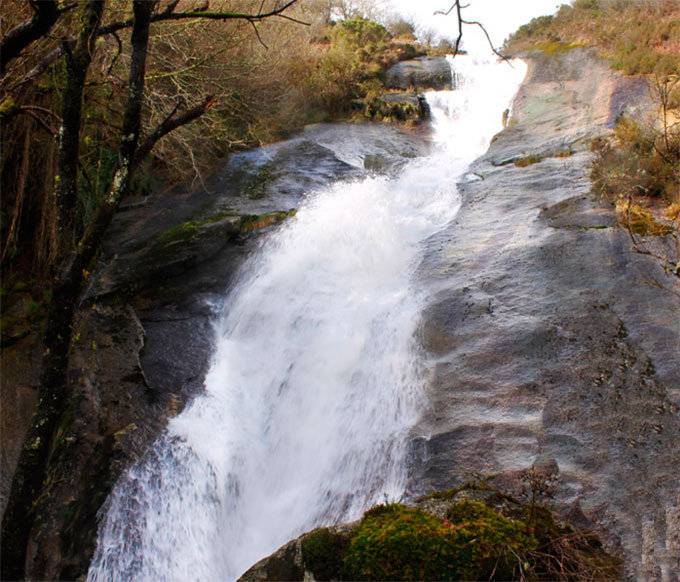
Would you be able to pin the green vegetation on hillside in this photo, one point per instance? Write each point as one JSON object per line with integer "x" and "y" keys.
{"x": 638, "y": 166}
{"x": 637, "y": 36}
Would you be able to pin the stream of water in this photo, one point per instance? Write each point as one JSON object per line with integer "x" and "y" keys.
{"x": 316, "y": 377}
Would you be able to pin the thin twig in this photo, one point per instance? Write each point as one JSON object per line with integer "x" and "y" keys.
{"x": 116, "y": 54}
{"x": 257, "y": 34}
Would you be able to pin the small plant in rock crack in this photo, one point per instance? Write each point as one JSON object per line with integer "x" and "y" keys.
{"x": 538, "y": 485}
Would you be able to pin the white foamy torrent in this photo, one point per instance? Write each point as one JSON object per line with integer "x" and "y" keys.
{"x": 315, "y": 380}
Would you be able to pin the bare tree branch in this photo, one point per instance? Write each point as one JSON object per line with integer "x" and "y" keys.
{"x": 169, "y": 124}
{"x": 257, "y": 34}
{"x": 202, "y": 13}
{"x": 459, "y": 19}
{"x": 167, "y": 14}
{"x": 43, "y": 65}
{"x": 27, "y": 32}
{"x": 458, "y": 7}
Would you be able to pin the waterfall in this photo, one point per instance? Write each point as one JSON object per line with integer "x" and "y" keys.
{"x": 316, "y": 377}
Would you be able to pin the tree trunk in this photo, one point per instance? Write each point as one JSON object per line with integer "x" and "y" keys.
{"x": 22, "y": 515}
{"x": 52, "y": 394}
{"x": 66, "y": 187}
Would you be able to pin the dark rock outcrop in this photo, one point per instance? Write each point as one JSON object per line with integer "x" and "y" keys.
{"x": 421, "y": 73}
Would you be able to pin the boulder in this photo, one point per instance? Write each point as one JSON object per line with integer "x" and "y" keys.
{"x": 471, "y": 532}
{"x": 421, "y": 73}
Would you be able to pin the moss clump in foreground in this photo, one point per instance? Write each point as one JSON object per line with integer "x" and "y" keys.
{"x": 322, "y": 554}
{"x": 474, "y": 541}
{"x": 394, "y": 542}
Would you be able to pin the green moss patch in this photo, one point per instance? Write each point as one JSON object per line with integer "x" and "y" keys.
{"x": 175, "y": 234}
{"x": 323, "y": 551}
{"x": 500, "y": 543}
{"x": 553, "y": 48}
{"x": 473, "y": 532}
{"x": 526, "y": 161}
{"x": 395, "y": 542}
{"x": 253, "y": 222}
{"x": 256, "y": 184}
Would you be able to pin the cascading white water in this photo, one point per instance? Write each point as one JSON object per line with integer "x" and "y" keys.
{"x": 315, "y": 380}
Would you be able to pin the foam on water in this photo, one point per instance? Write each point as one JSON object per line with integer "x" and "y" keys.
{"x": 315, "y": 380}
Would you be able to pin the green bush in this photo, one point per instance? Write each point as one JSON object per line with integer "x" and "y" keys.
{"x": 637, "y": 161}
{"x": 473, "y": 532}
{"x": 362, "y": 36}
{"x": 499, "y": 542}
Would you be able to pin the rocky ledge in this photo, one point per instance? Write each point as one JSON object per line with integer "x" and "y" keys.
{"x": 421, "y": 73}
{"x": 474, "y": 532}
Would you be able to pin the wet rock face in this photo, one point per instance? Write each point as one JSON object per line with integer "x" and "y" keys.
{"x": 549, "y": 341}
{"x": 112, "y": 417}
{"x": 19, "y": 388}
{"x": 421, "y": 73}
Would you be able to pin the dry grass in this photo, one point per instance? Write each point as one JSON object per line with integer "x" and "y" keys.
{"x": 636, "y": 36}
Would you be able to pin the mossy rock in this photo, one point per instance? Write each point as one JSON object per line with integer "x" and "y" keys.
{"x": 395, "y": 542}
{"x": 474, "y": 532}
{"x": 253, "y": 222}
{"x": 498, "y": 540}
{"x": 394, "y": 108}
{"x": 323, "y": 551}
{"x": 176, "y": 234}
{"x": 526, "y": 161}
{"x": 256, "y": 182}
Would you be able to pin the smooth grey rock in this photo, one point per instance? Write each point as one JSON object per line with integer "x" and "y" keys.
{"x": 549, "y": 340}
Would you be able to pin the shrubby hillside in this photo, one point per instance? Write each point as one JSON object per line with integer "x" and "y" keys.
{"x": 637, "y": 168}
{"x": 255, "y": 81}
